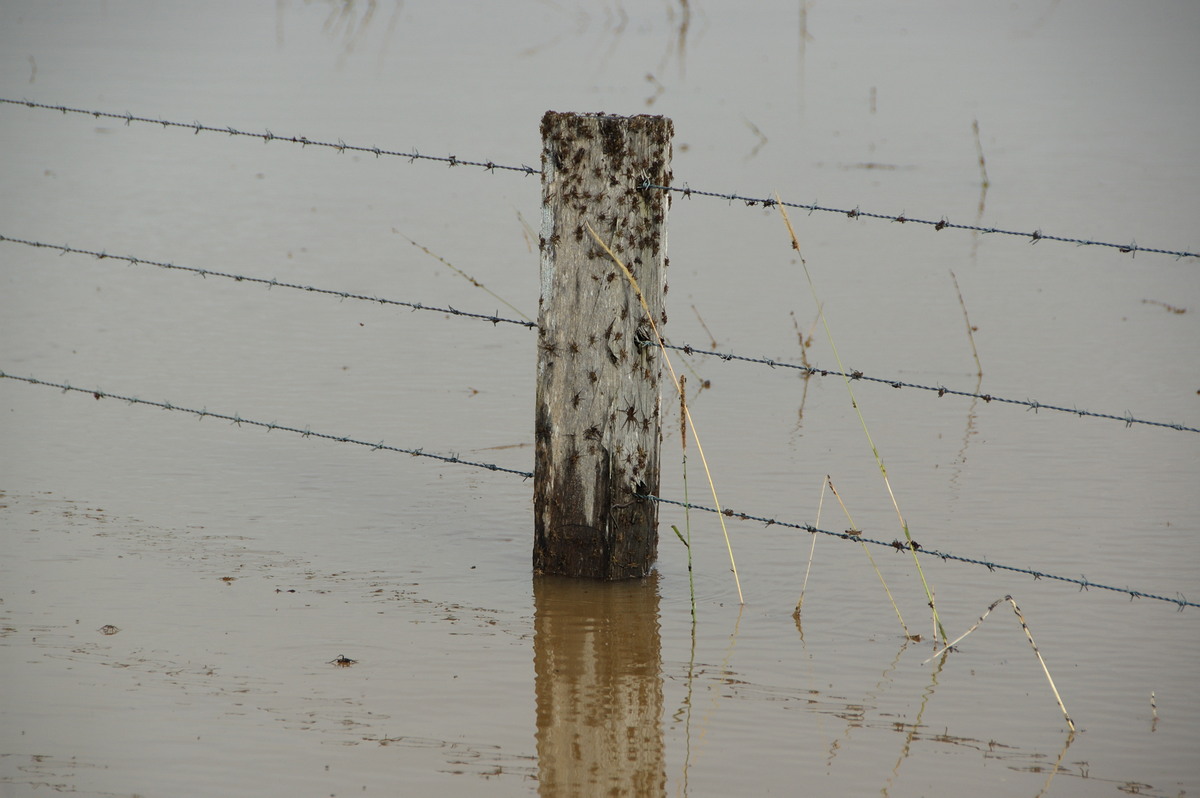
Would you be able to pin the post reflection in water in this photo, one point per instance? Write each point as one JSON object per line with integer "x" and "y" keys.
{"x": 598, "y": 677}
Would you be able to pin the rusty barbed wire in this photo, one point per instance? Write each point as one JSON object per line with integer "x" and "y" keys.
{"x": 1083, "y": 582}
{"x": 1128, "y": 419}
{"x": 272, "y": 283}
{"x": 685, "y": 190}
{"x": 96, "y": 393}
{"x": 268, "y": 136}
{"x": 1034, "y": 237}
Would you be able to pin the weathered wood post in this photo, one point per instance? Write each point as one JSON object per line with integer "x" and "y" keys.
{"x": 598, "y": 406}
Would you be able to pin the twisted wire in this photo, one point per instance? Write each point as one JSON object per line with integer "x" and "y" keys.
{"x": 1128, "y": 419}
{"x": 1083, "y": 582}
{"x": 686, "y": 191}
{"x": 241, "y": 278}
{"x": 339, "y": 145}
{"x": 1131, "y": 248}
{"x": 238, "y": 420}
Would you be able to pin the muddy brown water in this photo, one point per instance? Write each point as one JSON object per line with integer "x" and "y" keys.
{"x": 197, "y": 607}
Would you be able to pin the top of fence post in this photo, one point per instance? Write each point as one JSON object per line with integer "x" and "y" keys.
{"x": 597, "y": 425}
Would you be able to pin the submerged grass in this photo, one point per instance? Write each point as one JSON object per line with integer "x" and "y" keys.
{"x": 1029, "y": 635}
{"x": 853, "y": 530}
{"x": 939, "y": 630}
{"x": 983, "y": 175}
{"x": 466, "y": 277}
{"x": 811, "y": 551}
{"x": 687, "y": 515}
{"x": 970, "y": 328}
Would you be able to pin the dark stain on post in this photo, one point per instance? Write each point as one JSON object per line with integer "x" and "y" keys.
{"x": 597, "y": 410}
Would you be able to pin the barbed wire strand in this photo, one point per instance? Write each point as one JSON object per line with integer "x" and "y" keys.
{"x": 268, "y": 136}
{"x": 238, "y": 420}
{"x": 1084, "y": 583}
{"x": 1131, "y": 248}
{"x": 685, "y": 190}
{"x": 1128, "y": 419}
{"x": 242, "y": 278}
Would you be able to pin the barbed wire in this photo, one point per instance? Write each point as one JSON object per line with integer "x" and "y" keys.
{"x": 272, "y": 283}
{"x": 238, "y": 420}
{"x": 1131, "y": 248}
{"x": 1084, "y": 583}
{"x": 268, "y": 136}
{"x": 685, "y": 190}
{"x": 1128, "y": 419}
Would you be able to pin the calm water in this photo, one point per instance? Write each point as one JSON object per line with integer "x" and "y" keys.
{"x": 239, "y": 567}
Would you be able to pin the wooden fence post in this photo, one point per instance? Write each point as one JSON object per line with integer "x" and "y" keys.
{"x": 598, "y": 407}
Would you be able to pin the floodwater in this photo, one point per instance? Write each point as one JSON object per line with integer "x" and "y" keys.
{"x": 193, "y": 605}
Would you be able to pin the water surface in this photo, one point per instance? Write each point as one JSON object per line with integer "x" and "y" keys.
{"x": 241, "y": 567}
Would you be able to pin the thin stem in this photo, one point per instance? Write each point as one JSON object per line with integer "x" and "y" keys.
{"x": 1029, "y": 635}
{"x": 845, "y": 376}
{"x": 675, "y": 381}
